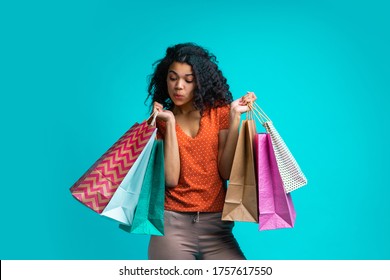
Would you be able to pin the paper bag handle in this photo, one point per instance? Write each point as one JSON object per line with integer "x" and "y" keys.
{"x": 259, "y": 113}
{"x": 153, "y": 116}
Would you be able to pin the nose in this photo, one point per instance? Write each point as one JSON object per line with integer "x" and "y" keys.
{"x": 179, "y": 84}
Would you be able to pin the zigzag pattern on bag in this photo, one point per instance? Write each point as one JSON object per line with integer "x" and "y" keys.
{"x": 290, "y": 172}
{"x": 97, "y": 186}
{"x": 91, "y": 191}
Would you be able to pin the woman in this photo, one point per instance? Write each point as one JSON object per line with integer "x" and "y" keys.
{"x": 198, "y": 123}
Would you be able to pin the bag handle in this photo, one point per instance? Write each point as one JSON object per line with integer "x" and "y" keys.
{"x": 255, "y": 110}
{"x": 153, "y": 116}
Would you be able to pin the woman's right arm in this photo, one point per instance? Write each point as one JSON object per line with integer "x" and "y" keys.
{"x": 171, "y": 147}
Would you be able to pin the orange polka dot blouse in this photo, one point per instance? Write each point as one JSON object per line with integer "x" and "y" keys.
{"x": 200, "y": 186}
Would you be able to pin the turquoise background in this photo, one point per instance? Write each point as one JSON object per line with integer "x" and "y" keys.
{"x": 74, "y": 76}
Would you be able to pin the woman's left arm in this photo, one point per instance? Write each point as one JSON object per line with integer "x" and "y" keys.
{"x": 228, "y": 137}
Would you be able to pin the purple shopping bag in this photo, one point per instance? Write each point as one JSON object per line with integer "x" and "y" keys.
{"x": 276, "y": 209}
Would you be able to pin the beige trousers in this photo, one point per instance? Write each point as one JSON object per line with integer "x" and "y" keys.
{"x": 194, "y": 236}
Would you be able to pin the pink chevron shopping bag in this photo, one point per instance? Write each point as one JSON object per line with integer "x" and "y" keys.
{"x": 276, "y": 209}
{"x": 97, "y": 186}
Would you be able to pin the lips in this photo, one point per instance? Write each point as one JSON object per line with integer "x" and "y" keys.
{"x": 178, "y": 96}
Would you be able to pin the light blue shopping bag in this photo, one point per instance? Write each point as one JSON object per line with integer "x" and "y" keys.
{"x": 125, "y": 199}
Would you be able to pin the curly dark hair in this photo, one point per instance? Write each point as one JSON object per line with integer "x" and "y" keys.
{"x": 211, "y": 88}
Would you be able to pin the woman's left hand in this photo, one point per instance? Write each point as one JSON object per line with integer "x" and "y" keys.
{"x": 240, "y": 105}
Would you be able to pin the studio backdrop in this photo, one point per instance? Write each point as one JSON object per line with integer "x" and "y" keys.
{"x": 74, "y": 76}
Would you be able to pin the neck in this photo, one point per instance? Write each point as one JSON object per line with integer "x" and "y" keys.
{"x": 182, "y": 110}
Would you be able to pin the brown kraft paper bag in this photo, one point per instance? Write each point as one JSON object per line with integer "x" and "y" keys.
{"x": 241, "y": 201}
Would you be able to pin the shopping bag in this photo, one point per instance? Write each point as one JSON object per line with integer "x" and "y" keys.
{"x": 290, "y": 172}
{"x": 98, "y": 184}
{"x": 125, "y": 199}
{"x": 276, "y": 209}
{"x": 149, "y": 214}
{"x": 241, "y": 196}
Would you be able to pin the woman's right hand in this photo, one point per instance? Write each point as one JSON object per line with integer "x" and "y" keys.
{"x": 171, "y": 147}
{"x": 164, "y": 115}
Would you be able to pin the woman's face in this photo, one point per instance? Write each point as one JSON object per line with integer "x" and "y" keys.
{"x": 181, "y": 84}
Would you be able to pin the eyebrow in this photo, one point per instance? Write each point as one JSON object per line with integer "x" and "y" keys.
{"x": 171, "y": 71}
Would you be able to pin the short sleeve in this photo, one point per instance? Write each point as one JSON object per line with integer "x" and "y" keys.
{"x": 224, "y": 117}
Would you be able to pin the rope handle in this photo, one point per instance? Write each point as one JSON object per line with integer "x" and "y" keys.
{"x": 153, "y": 116}
{"x": 255, "y": 110}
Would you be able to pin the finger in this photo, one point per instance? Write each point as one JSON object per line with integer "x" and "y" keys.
{"x": 242, "y": 102}
{"x": 250, "y": 96}
{"x": 156, "y": 104}
{"x": 245, "y": 100}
